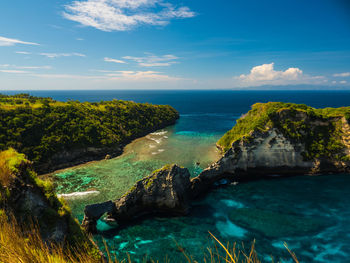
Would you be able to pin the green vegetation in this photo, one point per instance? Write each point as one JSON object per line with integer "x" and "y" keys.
{"x": 22, "y": 192}
{"x": 42, "y": 127}
{"x": 319, "y": 129}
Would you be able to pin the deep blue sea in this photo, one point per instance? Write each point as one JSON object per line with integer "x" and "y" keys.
{"x": 310, "y": 214}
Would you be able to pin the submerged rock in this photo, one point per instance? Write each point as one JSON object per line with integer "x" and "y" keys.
{"x": 265, "y": 222}
{"x": 164, "y": 191}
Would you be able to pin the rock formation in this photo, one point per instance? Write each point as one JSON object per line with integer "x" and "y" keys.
{"x": 94, "y": 212}
{"x": 165, "y": 191}
{"x": 281, "y": 139}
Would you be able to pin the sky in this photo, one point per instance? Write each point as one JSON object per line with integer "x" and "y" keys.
{"x": 168, "y": 44}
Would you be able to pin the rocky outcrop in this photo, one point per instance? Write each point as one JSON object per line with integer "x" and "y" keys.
{"x": 32, "y": 201}
{"x": 94, "y": 212}
{"x": 165, "y": 191}
{"x": 291, "y": 142}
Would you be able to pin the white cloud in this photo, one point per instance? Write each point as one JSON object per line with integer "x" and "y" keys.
{"x": 266, "y": 75}
{"x": 122, "y": 15}
{"x": 4, "y": 41}
{"x": 343, "y": 82}
{"x": 57, "y": 55}
{"x": 154, "y": 61}
{"x": 114, "y": 60}
{"x": 107, "y": 75}
{"x": 344, "y": 74}
{"x": 14, "y": 71}
{"x": 140, "y": 76}
{"x": 23, "y": 52}
{"x": 24, "y": 67}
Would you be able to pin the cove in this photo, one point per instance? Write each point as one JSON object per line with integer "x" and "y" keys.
{"x": 319, "y": 205}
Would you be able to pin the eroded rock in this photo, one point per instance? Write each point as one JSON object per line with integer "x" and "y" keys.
{"x": 164, "y": 191}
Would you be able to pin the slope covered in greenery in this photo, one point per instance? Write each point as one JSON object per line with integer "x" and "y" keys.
{"x": 26, "y": 201}
{"x": 319, "y": 129}
{"x": 42, "y": 127}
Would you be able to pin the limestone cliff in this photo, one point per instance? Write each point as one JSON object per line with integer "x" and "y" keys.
{"x": 282, "y": 139}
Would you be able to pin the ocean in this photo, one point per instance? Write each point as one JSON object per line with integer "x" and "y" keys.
{"x": 310, "y": 213}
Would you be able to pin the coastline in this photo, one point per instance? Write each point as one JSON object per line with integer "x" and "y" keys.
{"x": 81, "y": 163}
{"x": 91, "y": 154}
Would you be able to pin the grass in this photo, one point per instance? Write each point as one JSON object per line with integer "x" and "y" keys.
{"x": 18, "y": 244}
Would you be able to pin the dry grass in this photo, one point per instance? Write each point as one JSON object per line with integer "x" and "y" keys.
{"x": 26, "y": 246}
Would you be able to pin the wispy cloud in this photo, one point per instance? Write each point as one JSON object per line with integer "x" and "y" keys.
{"x": 141, "y": 76}
{"x": 105, "y": 75}
{"x": 57, "y": 55}
{"x": 153, "y": 60}
{"x": 23, "y": 52}
{"x": 24, "y": 67}
{"x": 114, "y": 60}
{"x": 266, "y": 75}
{"x": 7, "y": 68}
{"x": 344, "y": 74}
{"x": 5, "y": 42}
{"x": 14, "y": 71}
{"x": 122, "y": 15}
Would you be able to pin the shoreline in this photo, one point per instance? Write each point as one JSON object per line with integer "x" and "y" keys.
{"x": 49, "y": 174}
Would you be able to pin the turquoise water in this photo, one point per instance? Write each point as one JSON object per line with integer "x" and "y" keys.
{"x": 311, "y": 214}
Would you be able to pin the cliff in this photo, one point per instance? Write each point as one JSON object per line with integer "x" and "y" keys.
{"x": 33, "y": 204}
{"x": 282, "y": 139}
{"x": 56, "y": 134}
{"x": 166, "y": 191}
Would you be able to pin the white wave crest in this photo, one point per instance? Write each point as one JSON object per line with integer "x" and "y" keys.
{"x": 78, "y": 194}
{"x": 159, "y": 133}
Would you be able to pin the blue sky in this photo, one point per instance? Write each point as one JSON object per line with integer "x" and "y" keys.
{"x": 154, "y": 44}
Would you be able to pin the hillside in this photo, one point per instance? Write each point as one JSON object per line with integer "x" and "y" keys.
{"x": 57, "y": 134}
{"x": 29, "y": 201}
{"x": 297, "y": 122}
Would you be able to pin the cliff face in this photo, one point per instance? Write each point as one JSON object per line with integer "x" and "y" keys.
{"x": 282, "y": 139}
{"x": 165, "y": 191}
{"x": 32, "y": 201}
